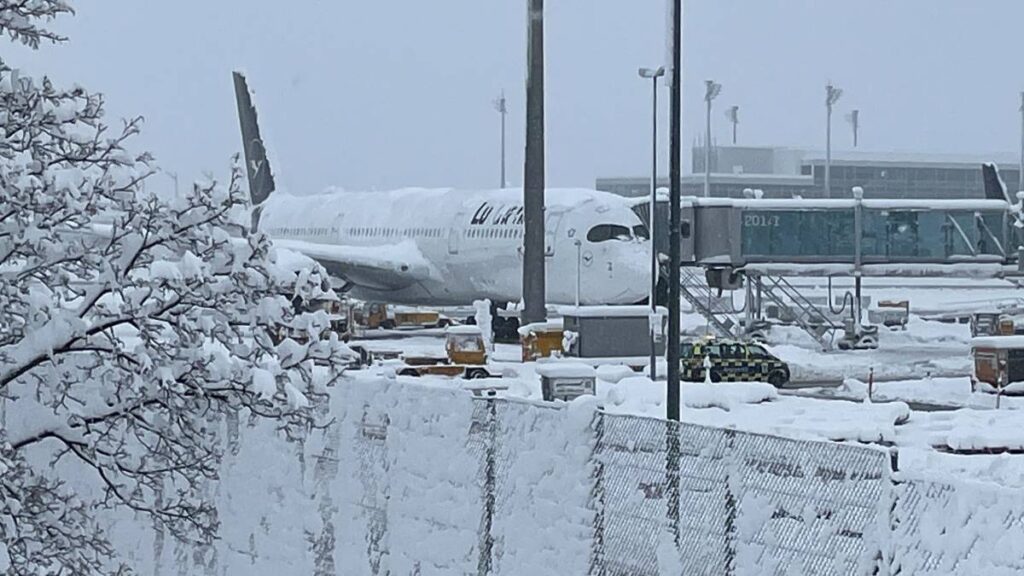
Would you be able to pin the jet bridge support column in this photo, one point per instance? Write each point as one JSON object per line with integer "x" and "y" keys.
{"x": 858, "y": 227}
{"x": 857, "y": 301}
{"x": 748, "y": 305}
{"x": 760, "y": 297}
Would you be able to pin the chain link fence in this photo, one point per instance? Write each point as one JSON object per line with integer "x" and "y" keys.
{"x": 660, "y": 497}
{"x": 744, "y": 500}
{"x": 965, "y": 528}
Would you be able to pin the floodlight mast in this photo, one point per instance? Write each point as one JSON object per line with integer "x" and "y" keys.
{"x": 733, "y": 114}
{"x": 501, "y": 106}
{"x": 854, "y": 119}
{"x": 711, "y": 91}
{"x": 1020, "y": 179}
{"x": 653, "y": 75}
{"x": 832, "y": 95}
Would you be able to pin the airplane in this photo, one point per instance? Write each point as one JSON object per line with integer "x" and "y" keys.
{"x": 446, "y": 247}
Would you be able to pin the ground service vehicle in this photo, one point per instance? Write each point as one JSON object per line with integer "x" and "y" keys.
{"x": 732, "y": 361}
{"x": 374, "y": 315}
{"x": 998, "y": 364}
{"x": 337, "y": 313}
{"x": 465, "y": 356}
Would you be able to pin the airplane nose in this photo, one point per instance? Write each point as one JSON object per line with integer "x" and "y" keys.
{"x": 632, "y": 274}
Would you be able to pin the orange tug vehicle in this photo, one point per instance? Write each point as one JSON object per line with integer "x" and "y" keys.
{"x": 998, "y": 364}
{"x": 465, "y": 356}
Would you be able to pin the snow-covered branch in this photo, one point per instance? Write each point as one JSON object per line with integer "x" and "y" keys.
{"x": 20, "y": 19}
{"x": 132, "y": 326}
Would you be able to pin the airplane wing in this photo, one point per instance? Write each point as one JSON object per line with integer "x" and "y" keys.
{"x": 390, "y": 267}
{"x": 379, "y": 267}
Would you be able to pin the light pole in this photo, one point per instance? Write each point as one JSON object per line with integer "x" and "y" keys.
{"x": 712, "y": 90}
{"x": 1020, "y": 180}
{"x": 173, "y": 176}
{"x": 733, "y": 114}
{"x": 579, "y": 267}
{"x": 854, "y": 119}
{"x": 501, "y": 105}
{"x": 674, "y": 249}
{"x": 832, "y": 95}
{"x": 534, "y": 279}
{"x": 653, "y": 75}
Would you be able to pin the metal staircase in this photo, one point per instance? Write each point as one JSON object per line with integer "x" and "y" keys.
{"x": 720, "y": 317}
{"x": 723, "y": 318}
{"x": 803, "y": 312}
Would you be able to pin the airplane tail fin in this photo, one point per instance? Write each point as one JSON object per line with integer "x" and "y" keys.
{"x": 261, "y": 179}
{"x": 995, "y": 189}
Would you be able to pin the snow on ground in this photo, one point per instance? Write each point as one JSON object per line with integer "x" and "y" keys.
{"x": 950, "y": 393}
{"x": 1000, "y": 469}
{"x": 755, "y": 407}
{"x": 924, "y": 348}
{"x": 926, "y": 364}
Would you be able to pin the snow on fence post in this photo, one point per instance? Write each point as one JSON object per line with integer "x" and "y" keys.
{"x": 325, "y": 471}
{"x": 597, "y": 499}
{"x": 731, "y": 505}
{"x": 488, "y": 429}
{"x": 672, "y": 456}
{"x": 871, "y": 384}
{"x": 543, "y": 520}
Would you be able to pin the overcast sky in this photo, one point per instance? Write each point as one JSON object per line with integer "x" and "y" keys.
{"x": 389, "y": 93}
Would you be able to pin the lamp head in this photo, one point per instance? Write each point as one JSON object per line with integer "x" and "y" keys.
{"x": 649, "y": 73}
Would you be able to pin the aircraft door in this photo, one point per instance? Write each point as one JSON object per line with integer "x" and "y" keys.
{"x": 339, "y": 226}
{"x": 455, "y": 232}
{"x": 551, "y": 223}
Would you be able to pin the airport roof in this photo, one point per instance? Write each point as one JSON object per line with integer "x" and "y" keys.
{"x": 717, "y": 178}
{"x": 911, "y": 159}
{"x": 840, "y": 203}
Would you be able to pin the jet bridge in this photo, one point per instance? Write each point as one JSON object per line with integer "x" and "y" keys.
{"x": 852, "y": 237}
{"x": 763, "y": 241}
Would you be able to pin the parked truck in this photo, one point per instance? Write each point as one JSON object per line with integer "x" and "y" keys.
{"x": 374, "y": 315}
{"x": 465, "y": 356}
{"x": 998, "y": 364}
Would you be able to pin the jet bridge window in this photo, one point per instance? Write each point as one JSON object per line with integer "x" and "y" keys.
{"x": 606, "y": 232}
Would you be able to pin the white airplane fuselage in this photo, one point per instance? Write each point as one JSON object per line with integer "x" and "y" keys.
{"x": 469, "y": 245}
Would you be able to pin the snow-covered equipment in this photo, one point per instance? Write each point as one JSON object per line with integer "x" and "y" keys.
{"x": 998, "y": 364}
{"x": 465, "y": 356}
{"x": 858, "y": 337}
{"x": 985, "y": 324}
{"x": 374, "y": 315}
{"x": 561, "y": 380}
{"x": 891, "y": 313}
{"x": 622, "y": 333}
{"x": 336, "y": 319}
{"x": 542, "y": 340}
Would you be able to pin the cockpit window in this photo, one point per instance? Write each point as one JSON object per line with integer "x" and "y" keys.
{"x": 640, "y": 231}
{"x": 606, "y": 232}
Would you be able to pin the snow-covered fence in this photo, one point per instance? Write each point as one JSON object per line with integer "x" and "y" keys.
{"x": 747, "y": 504}
{"x": 956, "y": 528}
{"x": 418, "y": 480}
{"x": 440, "y": 483}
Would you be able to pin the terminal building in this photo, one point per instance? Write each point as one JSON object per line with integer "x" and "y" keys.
{"x": 796, "y": 173}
